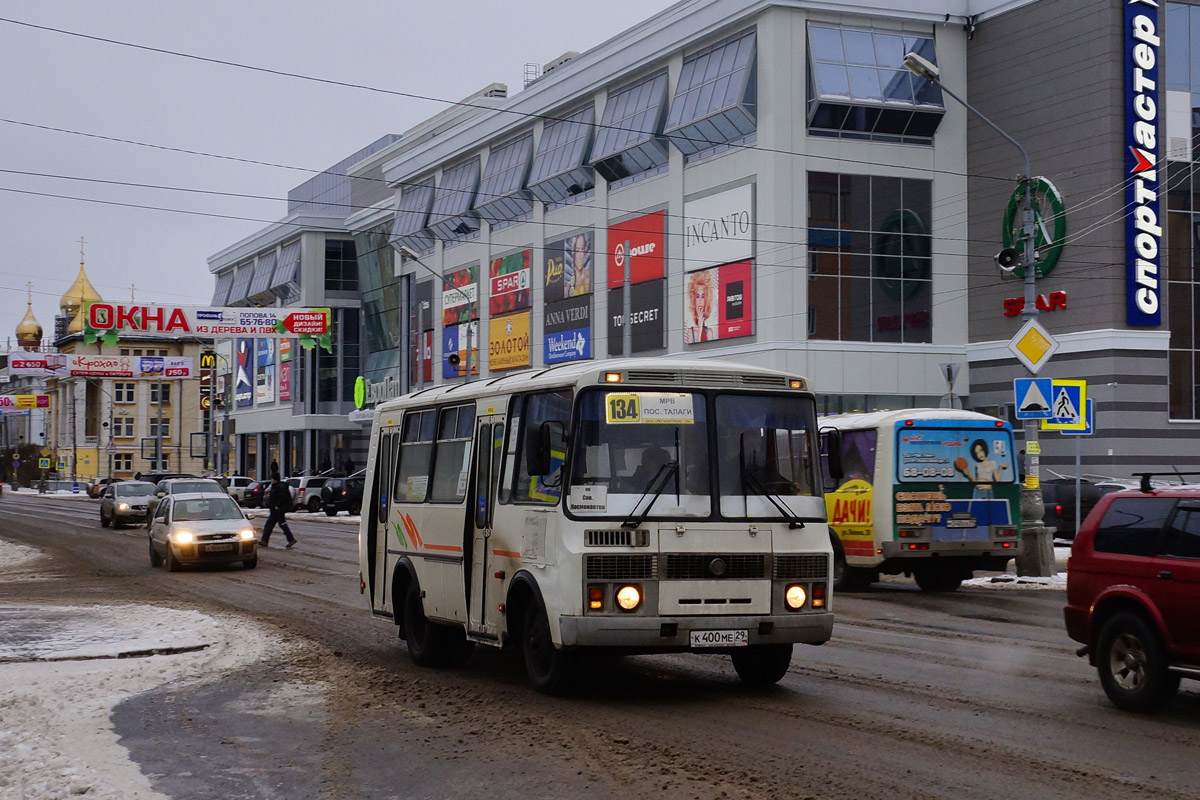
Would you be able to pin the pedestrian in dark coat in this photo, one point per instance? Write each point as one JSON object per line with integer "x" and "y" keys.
{"x": 279, "y": 501}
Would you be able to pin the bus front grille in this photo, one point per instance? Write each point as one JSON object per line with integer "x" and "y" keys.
{"x": 808, "y": 567}
{"x": 619, "y": 567}
{"x": 616, "y": 538}
{"x": 706, "y": 566}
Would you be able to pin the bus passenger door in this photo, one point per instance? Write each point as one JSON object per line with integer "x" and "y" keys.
{"x": 381, "y": 495}
{"x": 482, "y": 614}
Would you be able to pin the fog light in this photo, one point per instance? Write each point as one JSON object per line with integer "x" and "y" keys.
{"x": 795, "y": 596}
{"x": 628, "y": 597}
{"x": 596, "y": 598}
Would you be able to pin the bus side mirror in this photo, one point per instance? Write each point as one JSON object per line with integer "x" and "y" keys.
{"x": 540, "y": 447}
{"x": 831, "y": 453}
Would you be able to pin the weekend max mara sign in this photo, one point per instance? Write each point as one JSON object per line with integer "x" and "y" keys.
{"x": 1143, "y": 229}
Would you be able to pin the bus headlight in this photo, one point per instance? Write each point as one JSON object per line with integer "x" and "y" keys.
{"x": 629, "y": 597}
{"x": 795, "y": 596}
{"x": 183, "y": 537}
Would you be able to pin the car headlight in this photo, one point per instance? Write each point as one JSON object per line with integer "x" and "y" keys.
{"x": 122, "y": 506}
{"x": 795, "y": 596}
{"x": 246, "y": 534}
{"x": 183, "y": 537}
{"x": 629, "y": 598}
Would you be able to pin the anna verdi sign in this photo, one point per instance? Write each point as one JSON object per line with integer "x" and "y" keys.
{"x": 209, "y": 321}
{"x": 1143, "y": 231}
{"x": 101, "y": 366}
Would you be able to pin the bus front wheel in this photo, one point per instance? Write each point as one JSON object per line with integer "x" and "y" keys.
{"x": 548, "y": 667}
{"x": 763, "y": 664}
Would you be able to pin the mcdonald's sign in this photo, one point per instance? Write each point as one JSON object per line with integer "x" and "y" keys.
{"x": 208, "y": 360}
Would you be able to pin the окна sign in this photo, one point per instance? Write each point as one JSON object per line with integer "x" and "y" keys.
{"x": 207, "y": 321}
{"x": 1143, "y": 231}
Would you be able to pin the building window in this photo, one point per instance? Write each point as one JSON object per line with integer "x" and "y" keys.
{"x": 502, "y": 194}
{"x": 411, "y": 226}
{"x": 869, "y": 258}
{"x": 858, "y": 86}
{"x": 341, "y": 266}
{"x": 123, "y": 427}
{"x": 716, "y": 99}
{"x": 452, "y": 218}
{"x": 122, "y": 462}
{"x": 123, "y": 393}
{"x": 630, "y": 141}
{"x": 166, "y": 393}
{"x": 154, "y": 428}
{"x": 560, "y": 170}
{"x": 241, "y": 283}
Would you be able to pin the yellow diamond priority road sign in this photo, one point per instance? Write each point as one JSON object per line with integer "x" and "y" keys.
{"x": 1033, "y": 345}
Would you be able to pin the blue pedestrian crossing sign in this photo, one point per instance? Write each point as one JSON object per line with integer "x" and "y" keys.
{"x": 1068, "y": 406}
{"x": 1091, "y": 421}
{"x": 1032, "y": 398}
{"x": 43, "y": 463}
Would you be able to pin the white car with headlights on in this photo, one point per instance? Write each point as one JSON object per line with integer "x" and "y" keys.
{"x": 201, "y": 528}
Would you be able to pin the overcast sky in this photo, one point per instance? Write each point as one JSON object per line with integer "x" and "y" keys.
{"x": 446, "y": 49}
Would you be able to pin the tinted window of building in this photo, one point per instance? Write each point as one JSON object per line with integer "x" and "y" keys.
{"x": 629, "y": 141}
{"x": 716, "y": 99}
{"x": 869, "y": 258}
{"x": 341, "y": 266}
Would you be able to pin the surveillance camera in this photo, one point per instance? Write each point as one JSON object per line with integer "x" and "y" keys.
{"x": 921, "y": 66}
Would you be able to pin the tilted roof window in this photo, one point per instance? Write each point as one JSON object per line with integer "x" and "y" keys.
{"x": 287, "y": 271}
{"x": 221, "y": 290}
{"x": 452, "y": 217}
{"x": 411, "y": 228}
{"x": 858, "y": 86}
{"x": 716, "y": 99}
{"x": 560, "y": 167}
{"x": 241, "y": 283}
{"x": 502, "y": 193}
{"x": 630, "y": 139}
{"x": 264, "y": 270}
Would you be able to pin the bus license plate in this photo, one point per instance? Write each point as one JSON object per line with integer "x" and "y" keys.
{"x": 216, "y": 548}
{"x": 720, "y": 638}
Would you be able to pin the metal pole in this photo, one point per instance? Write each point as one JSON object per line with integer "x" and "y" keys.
{"x": 627, "y": 305}
{"x": 411, "y": 255}
{"x": 158, "y": 433}
{"x": 420, "y": 349}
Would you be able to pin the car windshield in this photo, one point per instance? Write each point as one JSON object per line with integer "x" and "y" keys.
{"x": 134, "y": 490}
{"x": 182, "y": 487}
{"x": 215, "y": 508}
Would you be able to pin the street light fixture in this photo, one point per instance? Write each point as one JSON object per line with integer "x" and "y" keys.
{"x": 1041, "y": 560}
{"x": 408, "y": 254}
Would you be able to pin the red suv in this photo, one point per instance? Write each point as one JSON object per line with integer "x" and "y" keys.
{"x": 1133, "y": 591}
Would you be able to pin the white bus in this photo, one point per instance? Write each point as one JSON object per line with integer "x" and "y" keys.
{"x": 927, "y": 492}
{"x": 637, "y": 505}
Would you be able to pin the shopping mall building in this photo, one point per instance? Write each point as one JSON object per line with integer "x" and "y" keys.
{"x": 765, "y": 182}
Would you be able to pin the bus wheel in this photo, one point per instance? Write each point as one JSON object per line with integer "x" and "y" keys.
{"x": 939, "y": 579}
{"x": 426, "y": 640}
{"x": 854, "y": 579}
{"x": 548, "y": 667}
{"x": 763, "y": 664}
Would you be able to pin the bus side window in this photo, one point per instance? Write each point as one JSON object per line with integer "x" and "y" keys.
{"x": 510, "y": 452}
{"x": 416, "y": 452}
{"x": 452, "y": 457}
{"x": 554, "y": 407}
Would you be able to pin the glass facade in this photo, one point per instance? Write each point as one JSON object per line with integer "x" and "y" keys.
{"x": 869, "y": 258}
{"x": 858, "y": 86}
{"x": 560, "y": 168}
{"x": 264, "y": 271}
{"x": 380, "y": 304}
{"x": 341, "y": 266}
{"x": 451, "y": 217}
{"x": 285, "y": 283}
{"x": 716, "y": 99}
{"x": 222, "y": 287}
{"x": 241, "y": 283}
{"x": 411, "y": 227}
{"x": 630, "y": 139}
{"x": 502, "y": 193}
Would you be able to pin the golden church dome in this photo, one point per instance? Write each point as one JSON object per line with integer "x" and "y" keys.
{"x": 29, "y": 332}
{"x": 80, "y": 295}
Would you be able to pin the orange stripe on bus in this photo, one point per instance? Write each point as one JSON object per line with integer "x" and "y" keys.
{"x": 506, "y": 553}
{"x": 451, "y": 548}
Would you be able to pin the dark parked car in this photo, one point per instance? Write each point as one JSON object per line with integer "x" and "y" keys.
{"x": 1133, "y": 587}
{"x": 96, "y": 486}
{"x": 252, "y": 495}
{"x": 1058, "y": 496}
{"x": 342, "y": 494}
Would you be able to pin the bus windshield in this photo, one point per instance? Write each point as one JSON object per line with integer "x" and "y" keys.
{"x": 661, "y": 454}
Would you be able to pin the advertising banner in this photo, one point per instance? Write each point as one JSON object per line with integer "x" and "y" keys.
{"x": 264, "y": 376}
{"x": 508, "y": 341}
{"x": 422, "y": 352}
{"x": 93, "y": 366}
{"x": 510, "y": 282}
{"x": 24, "y": 401}
{"x": 285, "y": 381}
{"x": 285, "y": 350}
{"x": 207, "y": 320}
{"x": 719, "y": 229}
{"x": 454, "y": 341}
{"x": 461, "y": 303}
{"x": 717, "y": 303}
{"x": 421, "y": 307}
{"x": 243, "y": 385}
{"x": 648, "y": 303}
{"x": 567, "y": 334}
{"x": 569, "y": 267}
{"x": 642, "y": 240}
{"x": 1143, "y": 224}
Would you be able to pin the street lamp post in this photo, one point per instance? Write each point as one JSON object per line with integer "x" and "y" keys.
{"x": 408, "y": 254}
{"x": 1038, "y": 555}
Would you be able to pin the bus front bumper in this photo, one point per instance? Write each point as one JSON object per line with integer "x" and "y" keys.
{"x": 674, "y": 633}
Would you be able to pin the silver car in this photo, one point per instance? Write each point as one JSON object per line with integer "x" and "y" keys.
{"x": 124, "y": 502}
{"x": 208, "y": 528}
{"x": 169, "y": 486}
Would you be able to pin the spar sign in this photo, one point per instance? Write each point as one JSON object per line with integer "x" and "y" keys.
{"x": 1143, "y": 230}
{"x": 271, "y": 323}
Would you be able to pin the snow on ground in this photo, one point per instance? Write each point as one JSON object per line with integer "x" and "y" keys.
{"x": 63, "y": 669}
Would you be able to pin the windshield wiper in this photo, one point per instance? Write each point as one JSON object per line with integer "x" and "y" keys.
{"x": 664, "y": 472}
{"x": 752, "y": 481}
